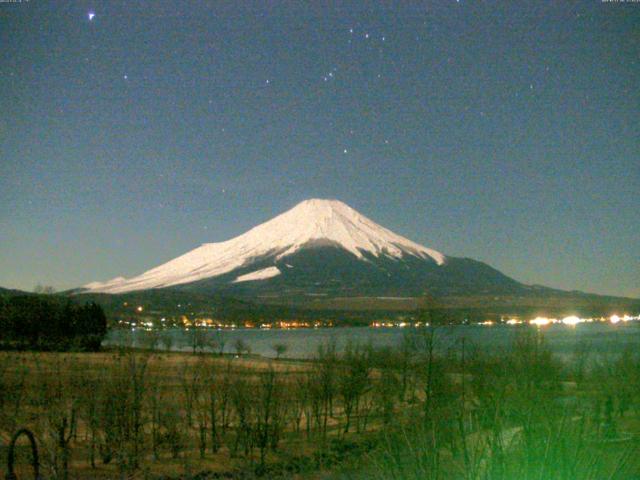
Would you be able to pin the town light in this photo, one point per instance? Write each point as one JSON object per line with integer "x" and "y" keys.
{"x": 572, "y": 320}
{"x": 541, "y": 321}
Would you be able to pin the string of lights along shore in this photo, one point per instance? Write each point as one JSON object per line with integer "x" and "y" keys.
{"x": 131, "y": 132}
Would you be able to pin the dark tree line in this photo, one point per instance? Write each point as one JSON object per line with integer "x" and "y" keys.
{"x": 42, "y": 322}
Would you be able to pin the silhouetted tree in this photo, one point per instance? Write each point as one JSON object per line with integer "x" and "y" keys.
{"x": 49, "y": 323}
{"x": 279, "y": 349}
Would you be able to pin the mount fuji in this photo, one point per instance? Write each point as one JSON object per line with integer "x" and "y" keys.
{"x": 318, "y": 248}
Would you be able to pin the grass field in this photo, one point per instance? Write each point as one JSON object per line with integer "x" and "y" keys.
{"x": 393, "y": 413}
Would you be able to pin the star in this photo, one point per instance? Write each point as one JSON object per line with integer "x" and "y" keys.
{"x": 126, "y": 77}
{"x": 91, "y": 15}
{"x": 345, "y": 151}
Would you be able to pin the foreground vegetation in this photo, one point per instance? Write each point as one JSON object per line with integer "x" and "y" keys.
{"x": 403, "y": 413}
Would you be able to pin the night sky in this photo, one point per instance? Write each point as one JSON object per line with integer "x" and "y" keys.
{"x": 132, "y": 132}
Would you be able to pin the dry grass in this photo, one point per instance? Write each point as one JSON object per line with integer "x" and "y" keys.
{"x": 164, "y": 374}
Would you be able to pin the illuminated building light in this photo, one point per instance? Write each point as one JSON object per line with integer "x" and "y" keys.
{"x": 614, "y": 319}
{"x": 572, "y": 320}
{"x": 541, "y": 321}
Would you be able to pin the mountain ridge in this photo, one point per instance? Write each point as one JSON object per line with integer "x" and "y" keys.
{"x": 310, "y": 223}
{"x": 323, "y": 253}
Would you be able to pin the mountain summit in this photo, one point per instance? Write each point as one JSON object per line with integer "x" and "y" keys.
{"x": 322, "y": 254}
{"x": 312, "y": 224}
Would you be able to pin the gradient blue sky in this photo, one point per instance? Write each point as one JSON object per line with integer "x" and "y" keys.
{"x": 503, "y": 132}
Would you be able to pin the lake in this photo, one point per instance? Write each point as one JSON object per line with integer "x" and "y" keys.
{"x": 600, "y": 338}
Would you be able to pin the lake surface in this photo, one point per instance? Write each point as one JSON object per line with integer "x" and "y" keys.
{"x": 599, "y": 338}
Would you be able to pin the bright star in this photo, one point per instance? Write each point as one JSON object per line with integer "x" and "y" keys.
{"x": 91, "y": 15}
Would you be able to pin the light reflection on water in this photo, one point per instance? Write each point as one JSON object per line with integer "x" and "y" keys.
{"x": 598, "y": 339}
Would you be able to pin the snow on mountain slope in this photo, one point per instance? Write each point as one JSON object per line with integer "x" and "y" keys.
{"x": 311, "y": 222}
{"x": 263, "y": 274}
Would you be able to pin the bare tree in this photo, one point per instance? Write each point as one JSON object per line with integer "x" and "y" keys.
{"x": 220, "y": 341}
{"x": 197, "y": 339}
{"x": 171, "y": 426}
{"x": 200, "y": 389}
{"x": 265, "y": 411}
{"x": 121, "y": 410}
{"x": 300, "y": 401}
{"x": 323, "y": 383}
{"x": 151, "y": 339}
{"x": 279, "y": 349}
{"x": 167, "y": 340}
{"x": 354, "y": 379}
{"x": 241, "y": 347}
{"x": 214, "y": 385}
{"x": 90, "y": 392}
{"x": 61, "y": 419}
{"x": 190, "y": 382}
{"x": 155, "y": 405}
{"x": 242, "y": 395}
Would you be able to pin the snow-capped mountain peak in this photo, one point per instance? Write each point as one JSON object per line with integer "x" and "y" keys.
{"x": 334, "y": 221}
{"x": 311, "y": 222}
